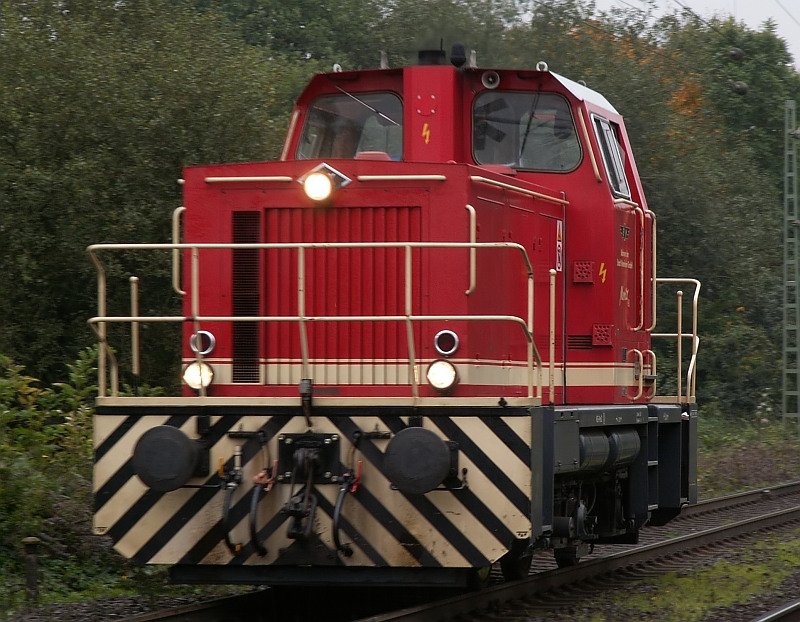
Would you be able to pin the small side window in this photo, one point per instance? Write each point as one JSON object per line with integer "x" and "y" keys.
{"x": 613, "y": 157}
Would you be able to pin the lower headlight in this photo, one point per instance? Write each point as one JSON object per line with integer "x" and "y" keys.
{"x": 442, "y": 375}
{"x": 198, "y": 375}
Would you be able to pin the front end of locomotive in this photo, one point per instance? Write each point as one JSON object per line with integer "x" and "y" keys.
{"x": 335, "y": 418}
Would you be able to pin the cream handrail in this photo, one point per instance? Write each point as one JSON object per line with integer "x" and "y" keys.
{"x": 691, "y": 374}
{"x": 640, "y": 374}
{"x": 653, "y": 277}
{"x": 473, "y": 237}
{"x": 176, "y": 254}
{"x": 520, "y": 190}
{"x": 99, "y": 322}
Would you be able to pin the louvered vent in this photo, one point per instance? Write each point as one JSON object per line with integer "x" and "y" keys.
{"x": 246, "y": 297}
{"x": 579, "y": 342}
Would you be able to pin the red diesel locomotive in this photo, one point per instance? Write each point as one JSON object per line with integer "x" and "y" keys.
{"x": 418, "y": 344}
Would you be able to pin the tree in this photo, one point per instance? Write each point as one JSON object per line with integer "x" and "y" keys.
{"x": 101, "y": 106}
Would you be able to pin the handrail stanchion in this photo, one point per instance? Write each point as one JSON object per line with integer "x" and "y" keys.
{"x": 680, "y": 341}
{"x": 195, "y": 270}
{"x": 531, "y": 345}
{"x": 412, "y": 361}
{"x": 101, "y": 327}
{"x": 135, "y": 366}
{"x": 176, "y": 252}
{"x": 552, "y": 337}
{"x": 301, "y": 311}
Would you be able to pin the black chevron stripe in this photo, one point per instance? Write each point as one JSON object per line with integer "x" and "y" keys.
{"x": 248, "y": 549}
{"x": 250, "y": 448}
{"x": 440, "y": 522}
{"x": 509, "y": 437}
{"x": 488, "y": 466}
{"x": 113, "y": 438}
{"x": 387, "y": 520}
{"x": 467, "y": 497}
{"x": 125, "y": 472}
{"x": 150, "y": 498}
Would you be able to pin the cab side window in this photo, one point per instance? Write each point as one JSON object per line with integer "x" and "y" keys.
{"x": 613, "y": 156}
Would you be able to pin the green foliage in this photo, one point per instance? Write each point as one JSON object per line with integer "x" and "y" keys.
{"x": 45, "y": 470}
{"x": 102, "y": 103}
{"x": 100, "y": 108}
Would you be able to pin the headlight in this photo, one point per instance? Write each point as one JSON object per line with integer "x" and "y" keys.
{"x": 321, "y": 183}
{"x": 198, "y": 375}
{"x": 318, "y": 186}
{"x": 442, "y": 375}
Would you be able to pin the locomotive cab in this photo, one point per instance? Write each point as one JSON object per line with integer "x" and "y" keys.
{"x": 419, "y": 343}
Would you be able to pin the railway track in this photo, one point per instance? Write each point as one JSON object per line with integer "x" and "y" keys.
{"x": 676, "y": 546}
{"x": 787, "y": 613}
{"x": 706, "y": 527}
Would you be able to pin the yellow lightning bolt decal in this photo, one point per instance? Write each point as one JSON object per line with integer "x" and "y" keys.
{"x": 426, "y": 133}
{"x": 602, "y": 272}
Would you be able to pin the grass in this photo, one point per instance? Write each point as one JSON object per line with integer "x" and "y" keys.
{"x": 740, "y": 454}
{"x": 690, "y": 596}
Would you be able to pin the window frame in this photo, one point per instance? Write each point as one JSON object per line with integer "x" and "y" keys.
{"x": 607, "y": 134}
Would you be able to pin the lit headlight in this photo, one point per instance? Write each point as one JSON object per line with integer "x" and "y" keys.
{"x": 318, "y": 186}
{"x": 442, "y": 375}
{"x": 198, "y": 375}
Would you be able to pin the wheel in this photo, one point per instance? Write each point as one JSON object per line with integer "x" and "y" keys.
{"x": 516, "y": 564}
{"x": 566, "y": 557}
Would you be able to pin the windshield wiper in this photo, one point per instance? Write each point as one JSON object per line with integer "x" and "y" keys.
{"x": 366, "y": 105}
{"x": 534, "y": 103}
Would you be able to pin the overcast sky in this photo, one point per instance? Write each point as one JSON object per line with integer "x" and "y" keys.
{"x": 785, "y": 13}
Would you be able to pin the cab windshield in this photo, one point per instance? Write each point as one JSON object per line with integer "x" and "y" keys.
{"x": 528, "y": 131}
{"x": 349, "y": 125}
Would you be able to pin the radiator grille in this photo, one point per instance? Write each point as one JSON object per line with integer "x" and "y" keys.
{"x": 341, "y": 282}
{"x": 246, "y": 297}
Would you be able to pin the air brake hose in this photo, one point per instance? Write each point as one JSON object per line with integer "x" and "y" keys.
{"x": 263, "y": 484}
{"x": 350, "y": 483}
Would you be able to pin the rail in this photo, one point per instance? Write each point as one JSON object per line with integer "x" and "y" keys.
{"x": 108, "y": 368}
{"x": 680, "y": 335}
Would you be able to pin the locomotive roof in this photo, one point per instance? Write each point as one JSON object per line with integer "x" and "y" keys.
{"x": 579, "y": 91}
{"x": 584, "y": 93}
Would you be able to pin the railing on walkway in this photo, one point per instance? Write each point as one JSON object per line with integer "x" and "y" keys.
{"x": 108, "y": 368}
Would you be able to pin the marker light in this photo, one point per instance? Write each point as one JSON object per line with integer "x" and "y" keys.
{"x": 442, "y": 375}
{"x": 318, "y": 186}
{"x": 445, "y": 342}
{"x": 198, "y": 375}
{"x": 202, "y": 342}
